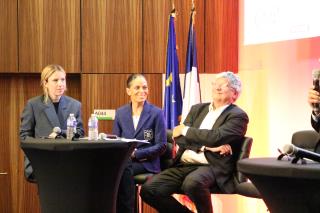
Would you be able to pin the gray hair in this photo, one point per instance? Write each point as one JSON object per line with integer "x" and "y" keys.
{"x": 234, "y": 80}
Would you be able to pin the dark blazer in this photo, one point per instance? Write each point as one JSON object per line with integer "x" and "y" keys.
{"x": 229, "y": 128}
{"x": 151, "y": 127}
{"x": 38, "y": 119}
{"x": 315, "y": 124}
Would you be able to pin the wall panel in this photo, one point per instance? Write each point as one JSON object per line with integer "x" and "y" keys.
{"x": 221, "y": 36}
{"x": 49, "y": 32}
{"x": 8, "y": 36}
{"x": 5, "y": 184}
{"x": 155, "y": 33}
{"x": 22, "y": 88}
{"x": 111, "y": 36}
{"x": 108, "y": 91}
{"x": 14, "y": 90}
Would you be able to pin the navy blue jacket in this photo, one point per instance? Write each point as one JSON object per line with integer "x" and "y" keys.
{"x": 151, "y": 127}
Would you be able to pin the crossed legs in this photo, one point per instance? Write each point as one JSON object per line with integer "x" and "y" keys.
{"x": 192, "y": 180}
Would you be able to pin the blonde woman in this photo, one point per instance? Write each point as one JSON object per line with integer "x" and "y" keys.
{"x": 51, "y": 109}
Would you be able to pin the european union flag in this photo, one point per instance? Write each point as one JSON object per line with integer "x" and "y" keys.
{"x": 173, "y": 97}
{"x": 192, "y": 93}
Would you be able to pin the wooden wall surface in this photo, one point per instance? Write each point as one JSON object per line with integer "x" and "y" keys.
{"x": 49, "y": 32}
{"x": 154, "y": 30}
{"x": 111, "y": 38}
{"x": 8, "y": 36}
{"x": 99, "y": 43}
{"x": 221, "y": 36}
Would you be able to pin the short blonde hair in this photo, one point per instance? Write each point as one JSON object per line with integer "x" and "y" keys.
{"x": 45, "y": 75}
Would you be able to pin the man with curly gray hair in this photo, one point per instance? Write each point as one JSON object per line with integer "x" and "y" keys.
{"x": 209, "y": 141}
{"x": 234, "y": 80}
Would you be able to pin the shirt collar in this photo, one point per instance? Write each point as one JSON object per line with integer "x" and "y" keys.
{"x": 221, "y": 109}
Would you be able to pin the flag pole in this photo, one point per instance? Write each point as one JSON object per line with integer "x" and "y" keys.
{"x": 193, "y": 10}
{"x": 173, "y": 10}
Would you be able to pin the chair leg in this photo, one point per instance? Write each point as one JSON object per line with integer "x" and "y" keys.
{"x": 138, "y": 208}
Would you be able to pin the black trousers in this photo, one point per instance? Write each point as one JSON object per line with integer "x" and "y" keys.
{"x": 192, "y": 180}
{"x": 126, "y": 191}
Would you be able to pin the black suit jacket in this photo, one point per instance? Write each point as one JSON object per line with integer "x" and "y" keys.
{"x": 315, "y": 124}
{"x": 229, "y": 128}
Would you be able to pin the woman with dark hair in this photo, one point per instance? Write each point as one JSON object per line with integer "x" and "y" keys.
{"x": 140, "y": 120}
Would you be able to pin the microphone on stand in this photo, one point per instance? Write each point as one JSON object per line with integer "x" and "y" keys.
{"x": 299, "y": 153}
{"x": 56, "y": 132}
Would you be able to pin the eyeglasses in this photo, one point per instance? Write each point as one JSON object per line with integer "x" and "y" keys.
{"x": 221, "y": 86}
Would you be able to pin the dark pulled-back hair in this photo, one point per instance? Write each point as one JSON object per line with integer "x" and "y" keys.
{"x": 133, "y": 77}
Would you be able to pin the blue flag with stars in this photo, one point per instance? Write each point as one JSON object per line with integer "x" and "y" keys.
{"x": 173, "y": 97}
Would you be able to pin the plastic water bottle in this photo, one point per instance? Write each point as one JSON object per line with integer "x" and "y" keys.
{"x": 75, "y": 123}
{"x": 71, "y": 126}
{"x": 93, "y": 127}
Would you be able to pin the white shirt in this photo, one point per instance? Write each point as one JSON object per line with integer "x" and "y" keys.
{"x": 135, "y": 119}
{"x": 314, "y": 117}
{"x": 192, "y": 157}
